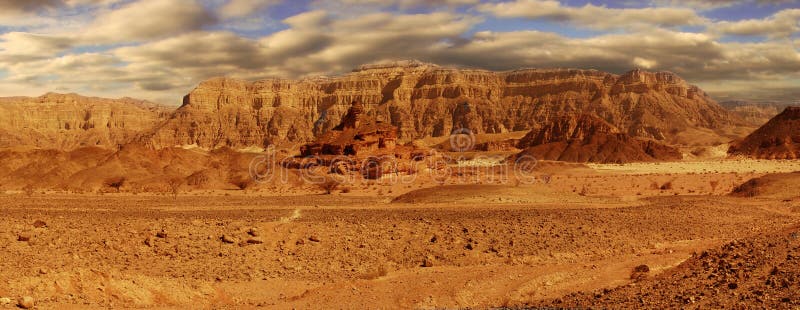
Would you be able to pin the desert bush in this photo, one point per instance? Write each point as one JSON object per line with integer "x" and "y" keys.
{"x": 241, "y": 182}
{"x": 28, "y": 190}
{"x": 329, "y": 184}
{"x": 115, "y": 182}
{"x": 714, "y": 184}
{"x": 175, "y": 184}
{"x": 666, "y": 186}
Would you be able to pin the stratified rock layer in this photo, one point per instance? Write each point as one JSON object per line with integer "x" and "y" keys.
{"x": 777, "y": 139}
{"x": 70, "y": 121}
{"x": 425, "y": 100}
{"x": 586, "y": 138}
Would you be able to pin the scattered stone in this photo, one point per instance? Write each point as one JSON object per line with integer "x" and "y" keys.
{"x": 229, "y": 239}
{"x": 253, "y": 232}
{"x": 23, "y": 237}
{"x": 314, "y": 238}
{"x": 5, "y": 301}
{"x": 428, "y": 261}
{"x": 149, "y": 241}
{"x": 25, "y": 302}
{"x": 255, "y": 241}
{"x": 640, "y": 272}
{"x": 161, "y": 234}
{"x": 39, "y": 224}
{"x": 733, "y": 285}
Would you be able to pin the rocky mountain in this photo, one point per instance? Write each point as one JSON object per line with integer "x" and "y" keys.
{"x": 425, "y": 100}
{"x": 587, "y": 138}
{"x": 756, "y": 113}
{"x": 777, "y": 139}
{"x": 69, "y": 121}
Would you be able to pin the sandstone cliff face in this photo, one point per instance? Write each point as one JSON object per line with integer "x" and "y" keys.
{"x": 586, "y": 138}
{"x": 777, "y": 139}
{"x": 756, "y": 114}
{"x": 425, "y": 100}
{"x": 69, "y": 121}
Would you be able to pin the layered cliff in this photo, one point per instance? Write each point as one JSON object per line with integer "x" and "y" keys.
{"x": 69, "y": 121}
{"x": 587, "y": 138}
{"x": 777, "y": 139}
{"x": 425, "y": 100}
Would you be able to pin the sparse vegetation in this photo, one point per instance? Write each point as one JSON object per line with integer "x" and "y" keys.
{"x": 329, "y": 184}
{"x": 115, "y": 182}
{"x": 241, "y": 182}
{"x": 28, "y": 190}
{"x": 175, "y": 184}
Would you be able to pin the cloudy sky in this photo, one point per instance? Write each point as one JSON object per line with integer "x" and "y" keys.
{"x": 160, "y": 49}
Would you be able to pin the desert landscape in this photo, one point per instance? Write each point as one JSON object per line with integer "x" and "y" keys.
{"x": 299, "y": 172}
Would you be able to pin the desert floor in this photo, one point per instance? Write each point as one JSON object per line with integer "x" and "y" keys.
{"x": 420, "y": 245}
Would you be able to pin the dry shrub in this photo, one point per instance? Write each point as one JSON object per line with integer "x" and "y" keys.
{"x": 714, "y": 184}
{"x": 241, "y": 182}
{"x": 329, "y": 184}
{"x": 666, "y": 186}
{"x": 115, "y": 182}
{"x": 28, "y": 190}
{"x": 175, "y": 184}
{"x": 750, "y": 188}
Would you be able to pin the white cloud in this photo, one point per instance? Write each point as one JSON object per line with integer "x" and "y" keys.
{"x": 780, "y": 25}
{"x": 242, "y": 8}
{"x": 148, "y": 19}
{"x": 596, "y": 17}
{"x": 21, "y": 46}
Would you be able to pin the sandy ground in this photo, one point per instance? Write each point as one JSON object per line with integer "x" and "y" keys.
{"x": 420, "y": 245}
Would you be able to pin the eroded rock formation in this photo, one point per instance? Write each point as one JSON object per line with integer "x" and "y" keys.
{"x": 586, "y": 138}
{"x": 777, "y": 139}
{"x": 425, "y": 100}
{"x": 69, "y": 121}
{"x": 354, "y": 136}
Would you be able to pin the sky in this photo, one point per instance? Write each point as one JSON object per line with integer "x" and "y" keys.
{"x": 160, "y": 50}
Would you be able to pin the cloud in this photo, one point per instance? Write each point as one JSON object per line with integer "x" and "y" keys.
{"x": 242, "y": 8}
{"x": 148, "y": 19}
{"x": 28, "y": 5}
{"x": 21, "y": 46}
{"x": 596, "y": 17}
{"x": 780, "y": 25}
{"x": 714, "y": 4}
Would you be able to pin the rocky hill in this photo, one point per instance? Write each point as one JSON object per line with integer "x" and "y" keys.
{"x": 425, "y": 100}
{"x": 756, "y": 113}
{"x": 587, "y": 138}
{"x": 777, "y": 139}
{"x": 69, "y": 121}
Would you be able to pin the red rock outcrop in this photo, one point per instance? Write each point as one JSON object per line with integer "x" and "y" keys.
{"x": 777, "y": 139}
{"x": 70, "y": 121}
{"x": 354, "y": 136}
{"x": 586, "y": 138}
{"x": 425, "y": 100}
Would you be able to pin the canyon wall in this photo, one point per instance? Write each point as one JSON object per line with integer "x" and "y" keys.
{"x": 425, "y": 100}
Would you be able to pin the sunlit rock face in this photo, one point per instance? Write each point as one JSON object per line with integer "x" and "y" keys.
{"x": 425, "y": 100}
{"x": 70, "y": 121}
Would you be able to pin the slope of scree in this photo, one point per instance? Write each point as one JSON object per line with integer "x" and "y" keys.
{"x": 425, "y": 100}
{"x": 758, "y": 272}
{"x": 777, "y": 139}
{"x": 586, "y": 138}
